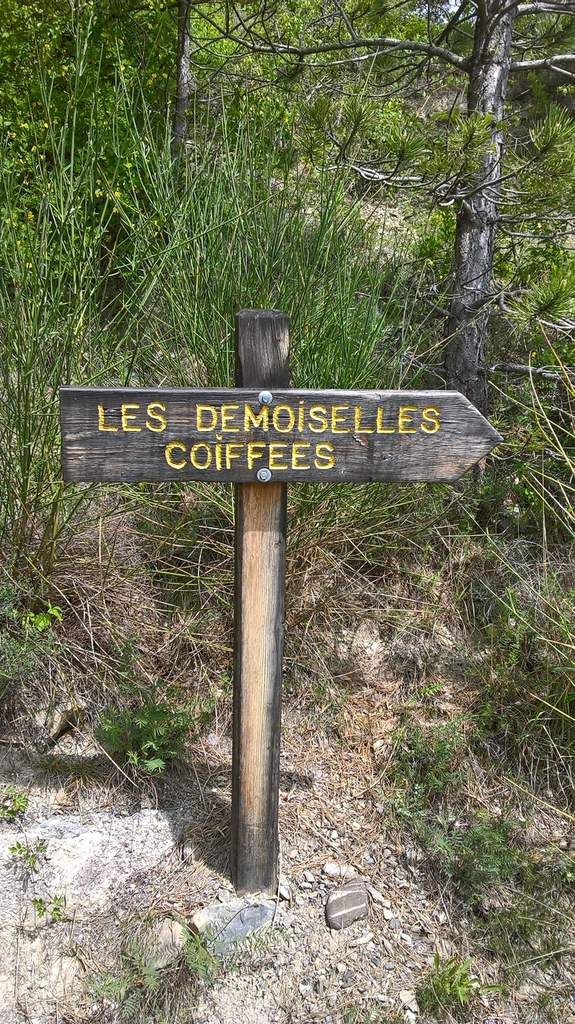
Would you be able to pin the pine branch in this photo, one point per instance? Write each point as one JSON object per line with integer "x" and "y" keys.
{"x": 459, "y": 15}
{"x": 380, "y": 45}
{"x": 545, "y": 62}
{"x": 532, "y": 371}
{"x": 561, "y": 7}
{"x": 519, "y": 369}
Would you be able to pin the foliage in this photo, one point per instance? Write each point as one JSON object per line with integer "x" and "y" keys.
{"x": 477, "y": 856}
{"x": 18, "y": 661}
{"x": 448, "y": 988}
{"x": 201, "y": 963}
{"x": 146, "y": 738}
{"x": 25, "y": 638}
{"x": 54, "y": 906}
{"x": 41, "y": 621}
{"x": 139, "y": 983}
{"x": 133, "y": 986}
{"x": 28, "y": 855}
{"x": 13, "y": 803}
{"x": 523, "y": 929}
{"x": 429, "y": 761}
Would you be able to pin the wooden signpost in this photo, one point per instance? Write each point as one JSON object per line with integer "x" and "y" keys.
{"x": 261, "y": 435}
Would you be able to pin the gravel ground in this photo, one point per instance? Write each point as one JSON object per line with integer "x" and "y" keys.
{"x": 121, "y": 854}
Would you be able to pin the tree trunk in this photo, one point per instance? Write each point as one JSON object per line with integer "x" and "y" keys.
{"x": 471, "y": 294}
{"x": 186, "y": 81}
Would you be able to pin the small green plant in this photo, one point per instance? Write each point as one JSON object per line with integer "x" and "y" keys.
{"x": 448, "y": 988}
{"x": 13, "y": 802}
{"x": 39, "y": 622}
{"x": 201, "y": 963}
{"x": 146, "y": 738}
{"x": 29, "y": 854}
{"x": 137, "y": 985}
{"x": 130, "y": 989}
{"x": 428, "y": 761}
{"x": 55, "y": 907}
{"x": 476, "y": 857}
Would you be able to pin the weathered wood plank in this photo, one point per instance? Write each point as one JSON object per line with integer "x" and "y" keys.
{"x": 262, "y": 347}
{"x": 131, "y": 434}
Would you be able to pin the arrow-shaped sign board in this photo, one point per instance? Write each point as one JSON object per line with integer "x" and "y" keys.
{"x": 245, "y": 435}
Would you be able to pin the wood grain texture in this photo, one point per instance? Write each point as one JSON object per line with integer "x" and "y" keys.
{"x": 262, "y": 346}
{"x": 115, "y": 435}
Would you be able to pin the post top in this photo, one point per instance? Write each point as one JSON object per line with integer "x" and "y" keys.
{"x": 251, "y": 314}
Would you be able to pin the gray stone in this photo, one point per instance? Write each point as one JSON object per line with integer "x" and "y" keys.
{"x": 56, "y": 721}
{"x": 347, "y": 904}
{"x": 347, "y": 979}
{"x": 225, "y": 925}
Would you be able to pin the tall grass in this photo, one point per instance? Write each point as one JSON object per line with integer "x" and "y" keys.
{"x": 130, "y": 271}
{"x": 530, "y": 579}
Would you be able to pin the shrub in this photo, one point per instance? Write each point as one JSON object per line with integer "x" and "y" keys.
{"x": 448, "y": 988}
{"x": 476, "y": 857}
{"x": 140, "y": 987}
{"x": 13, "y": 802}
{"x": 28, "y": 855}
{"x": 146, "y": 738}
{"x": 429, "y": 761}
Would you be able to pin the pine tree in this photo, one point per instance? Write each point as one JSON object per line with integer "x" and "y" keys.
{"x": 482, "y": 46}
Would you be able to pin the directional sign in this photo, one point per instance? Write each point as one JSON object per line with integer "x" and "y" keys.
{"x": 262, "y": 435}
{"x": 244, "y": 435}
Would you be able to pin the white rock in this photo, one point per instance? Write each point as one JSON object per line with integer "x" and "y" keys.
{"x": 378, "y": 897}
{"x": 333, "y": 869}
{"x": 408, "y": 999}
{"x": 163, "y": 941}
{"x": 86, "y": 858}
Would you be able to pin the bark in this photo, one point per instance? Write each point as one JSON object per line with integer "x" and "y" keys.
{"x": 469, "y": 307}
{"x": 186, "y": 81}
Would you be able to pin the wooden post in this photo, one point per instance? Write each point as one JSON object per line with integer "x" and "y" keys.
{"x": 262, "y": 361}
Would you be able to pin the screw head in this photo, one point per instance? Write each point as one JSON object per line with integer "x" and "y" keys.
{"x": 264, "y": 475}
{"x": 265, "y": 398}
